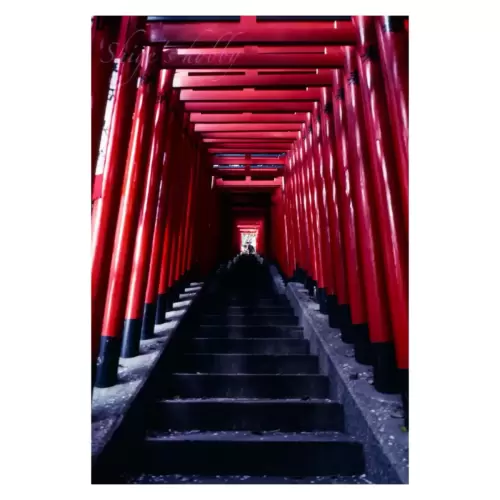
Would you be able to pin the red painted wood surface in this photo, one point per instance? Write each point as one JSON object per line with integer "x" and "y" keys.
{"x": 130, "y": 200}
{"x": 105, "y": 208}
{"x": 386, "y": 186}
{"x": 331, "y": 97}
{"x": 368, "y": 234}
{"x": 149, "y": 202}
{"x": 347, "y": 215}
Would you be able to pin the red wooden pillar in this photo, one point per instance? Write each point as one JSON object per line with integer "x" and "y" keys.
{"x": 143, "y": 241}
{"x": 183, "y": 269}
{"x": 289, "y": 245}
{"x": 308, "y": 209}
{"x": 288, "y": 242}
{"x": 164, "y": 293}
{"x": 293, "y": 218}
{"x": 314, "y": 187}
{"x": 393, "y": 48}
{"x": 193, "y": 212}
{"x": 301, "y": 213}
{"x": 191, "y": 188}
{"x": 281, "y": 236}
{"x": 368, "y": 235}
{"x": 387, "y": 192}
{"x": 338, "y": 301}
{"x": 191, "y": 228}
{"x": 179, "y": 180}
{"x": 107, "y": 200}
{"x": 356, "y": 321}
{"x": 202, "y": 214}
{"x": 187, "y": 170}
{"x": 104, "y": 36}
{"x": 209, "y": 225}
{"x": 199, "y": 214}
{"x": 114, "y": 312}
{"x": 322, "y": 211}
{"x": 285, "y": 247}
{"x": 297, "y": 231}
{"x": 149, "y": 312}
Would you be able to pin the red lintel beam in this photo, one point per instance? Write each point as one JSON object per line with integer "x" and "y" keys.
{"x": 311, "y": 33}
{"x": 253, "y": 174}
{"x": 252, "y": 145}
{"x": 243, "y": 145}
{"x": 247, "y": 140}
{"x": 253, "y": 49}
{"x": 257, "y": 148}
{"x": 233, "y": 127}
{"x": 228, "y": 81}
{"x": 251, "y": 135}
{"x": 248, "y": 183}
{"x": 171, "y": 58}
{"x": 237, "y": 160}
{"x": 241, "y": 106}
{"x": 248, "y": 117}
{"x": 250, "y": 95}
{"x": 238, "y": 171}
{"x": 246, "y": 150}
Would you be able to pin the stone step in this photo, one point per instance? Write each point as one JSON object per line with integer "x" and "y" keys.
{"x": 221, "y": 453}
{"x": 248, "y": 363}
{"x": 255, "y": 319}
{"x": 247, "y": 346}
{"x": 208, "y": 385}
{"x": 250, "y": 332}
{"x": 247, "y": 414}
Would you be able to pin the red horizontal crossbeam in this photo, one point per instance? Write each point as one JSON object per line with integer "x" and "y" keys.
{"x": 312, "y": 33}
{"x": 234, "y": 127}
{"x": 334, "y": 58}
{"x": 252, "y": 49}
{"x": 242, "y": 106}
{"x": 228, "y": 81}
{"x": 255, "y": 145}
{"x": 249, "y": 184}
{"x": 253, "y": 173}
{"x": 240, "y": 171}
{"x": 246, "y": 140}
{"x": 250, "y": 95}
{"x": 251, "y": 135}
{"x": 237, "y": 160}
{"x": 247, "y": 150}
{"x": 248, "y": 118}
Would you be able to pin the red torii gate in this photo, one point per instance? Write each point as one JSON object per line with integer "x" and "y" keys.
{"x": 331, "y": 95}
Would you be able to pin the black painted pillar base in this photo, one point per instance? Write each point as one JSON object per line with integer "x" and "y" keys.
{"x": 299, "y": 275}
{"x": 309, "y": 285}
{"x": 404, "y": 385}
{"x": 131, "y": 338}
{"x": 363, "y": 352}
{"x": 93, "y": 376}
{"x": 148, "y": 321}
{"x": 322, "y": 300}
{"x": 107, "y": 362}
{"x": 385, "y": 373}
{"x": 161, "y": 308}
{"x": 347, "y": 334}
{"x": 333, "y": 311}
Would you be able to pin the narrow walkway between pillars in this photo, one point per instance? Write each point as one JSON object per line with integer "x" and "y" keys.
{"x": 243, "y": 399}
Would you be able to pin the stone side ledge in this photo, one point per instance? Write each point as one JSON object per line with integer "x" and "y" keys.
{"x": 374, "y": 419}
